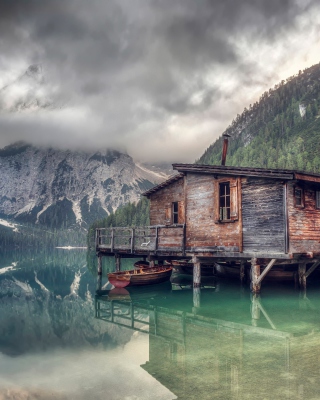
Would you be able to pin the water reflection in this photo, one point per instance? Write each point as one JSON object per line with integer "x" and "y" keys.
{"x": 51, "y": 344}
{"x": 232, "y": 346}
{"x": 60, "y": 340}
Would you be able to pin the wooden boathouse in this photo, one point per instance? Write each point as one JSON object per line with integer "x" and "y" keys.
{"x": 252, "y": 217}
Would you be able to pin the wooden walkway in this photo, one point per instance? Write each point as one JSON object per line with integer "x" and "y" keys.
{"x": 160, "y": 239}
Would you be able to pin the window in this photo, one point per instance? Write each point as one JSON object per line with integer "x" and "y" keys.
{"x": 318, "y": 199}
{"x": 224, "y": 201}
{"x": 175, "y": 212}
{"x": 298, "y": 197}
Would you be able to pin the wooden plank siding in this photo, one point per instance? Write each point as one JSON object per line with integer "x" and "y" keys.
{"x": 203, "y": 229}
{"x": 161, "y": 203}
{"x": 303, "y": 222}
{"x": 263, "y": 218}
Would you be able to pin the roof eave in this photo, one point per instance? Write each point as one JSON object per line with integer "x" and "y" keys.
{"x": 244, "y": 171}
{"x": 163, "y": 184}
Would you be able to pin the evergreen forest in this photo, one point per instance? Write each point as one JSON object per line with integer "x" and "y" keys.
{"x": 281, "y": 130}
{"x": 129, "y": 215}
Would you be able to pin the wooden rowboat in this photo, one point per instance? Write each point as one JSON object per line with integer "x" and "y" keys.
{"x": 143, "y": 276}
{"x": 185, "y": 267}
{"x": 141, "y": 264}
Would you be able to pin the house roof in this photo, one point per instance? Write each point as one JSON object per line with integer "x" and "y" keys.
{"x": 235, "y": 171}
{"x": 171, "y": 179}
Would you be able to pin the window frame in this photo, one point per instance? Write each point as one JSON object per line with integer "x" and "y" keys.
{"x": 234, "y": 194}
{"x": 175, "y": 213}
{"x": 296, "y": 188}
{"x": 317, "y": 200}
{"x": 224, "y": 200}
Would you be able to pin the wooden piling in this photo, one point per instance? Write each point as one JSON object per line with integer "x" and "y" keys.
{"x": 302, "y": 275}
{"x": 118, "y": 262}
{"x": 99, "y": 265}
{"x": 151, "y": 260}
{"x": 196, "y": 274}
{"x": 99, "y": 282}
{"x": 255, "y": 273}
{"x": 255, "y": 309}
{"x": 196, "y": 298}
{"x": 242, "y": 272}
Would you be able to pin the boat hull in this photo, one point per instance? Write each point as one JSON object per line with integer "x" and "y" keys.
{"x": 147, "y": 276}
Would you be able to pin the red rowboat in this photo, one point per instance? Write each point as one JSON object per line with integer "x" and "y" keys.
{"x": 143, "y": 276}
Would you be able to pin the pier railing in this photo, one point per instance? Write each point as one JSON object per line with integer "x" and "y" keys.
{"x": 141, "y": 239}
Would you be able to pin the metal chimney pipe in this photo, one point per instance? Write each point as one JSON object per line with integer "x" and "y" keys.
{"x": 225, "y": 148}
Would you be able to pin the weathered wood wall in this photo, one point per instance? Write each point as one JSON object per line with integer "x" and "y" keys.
{"x": 263, "y": 215}
{"x": 171, "y": 238}
{"x": 161, "y": 202}
{"x": 258, "y": 221}
{"x": 202, "y": 228}
{"x": 303, "y": 222}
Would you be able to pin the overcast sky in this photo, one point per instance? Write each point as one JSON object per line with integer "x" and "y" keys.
{"x": 160, "y": 79}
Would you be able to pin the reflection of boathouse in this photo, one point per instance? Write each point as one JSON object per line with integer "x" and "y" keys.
{"x": 248, "y": 217}
{"x": 197, "y": 354}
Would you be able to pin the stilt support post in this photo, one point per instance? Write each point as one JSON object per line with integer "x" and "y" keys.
{"x": 255, "y": 274}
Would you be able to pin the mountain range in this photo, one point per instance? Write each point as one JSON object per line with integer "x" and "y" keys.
{"x": 61, "y": 188}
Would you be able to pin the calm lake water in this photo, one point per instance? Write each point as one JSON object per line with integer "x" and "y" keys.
{"x": 59, "y": 340}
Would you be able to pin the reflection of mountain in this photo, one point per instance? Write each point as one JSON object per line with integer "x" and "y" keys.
{"x": 46, "y": 303}
{"x": 229, "y": 348}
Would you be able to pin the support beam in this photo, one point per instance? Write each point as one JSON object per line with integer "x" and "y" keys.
{"x": 118, "y": 262}
{"x": 242, "y": 272}
{"x": 196, "y": 298}
{"x": 99, "y": 270}
{"x": 302, "y": 275}
{"x": 99, "y": 282}
{"x": 255, "y": 273}
{"x": 266, "y": 270}
{"x": 151, "y": 260}
{"x": 255, "y": 309}
{"x": 264, "y": 312}
{"x": 312, "y": 268}
{"x": 196, "y": 273}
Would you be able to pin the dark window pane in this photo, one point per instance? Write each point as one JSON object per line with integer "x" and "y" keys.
{"x": 228, "y": 201}
{"x": 298, "y": 196}
{"x": 224, "y": 200}
{"x": 175, "y": 212}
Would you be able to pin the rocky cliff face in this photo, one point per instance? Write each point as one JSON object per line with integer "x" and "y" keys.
{"x": 63, "y": 188}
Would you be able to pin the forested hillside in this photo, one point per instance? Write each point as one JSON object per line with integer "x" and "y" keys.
{"x": 128, "y": 215}
{"x": 281, "y": 130}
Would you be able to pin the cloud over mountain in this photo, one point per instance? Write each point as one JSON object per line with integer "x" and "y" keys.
{"x": 159, "y": 78}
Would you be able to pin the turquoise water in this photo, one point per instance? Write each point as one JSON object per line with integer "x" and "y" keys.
{"x": 60, "y": 340}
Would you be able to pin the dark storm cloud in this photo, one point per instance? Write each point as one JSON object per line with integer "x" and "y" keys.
{"x": 136, "y": 63}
